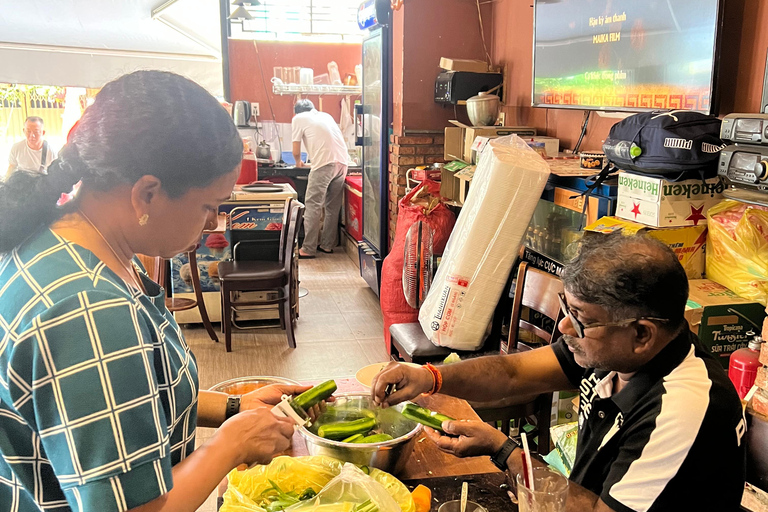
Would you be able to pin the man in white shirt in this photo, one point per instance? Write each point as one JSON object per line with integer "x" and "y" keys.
{"x": 32, "y": 154}
{"x": 328, "y": 155}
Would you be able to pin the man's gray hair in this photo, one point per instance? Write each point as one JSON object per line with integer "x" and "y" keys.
{"x": 630, "y": 277}
{"x": 304, "y": 105}
{"x": 34, "y": 119}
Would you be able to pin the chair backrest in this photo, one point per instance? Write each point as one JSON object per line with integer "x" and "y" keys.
{"x": 538, "y": 291}
{"x": 295, "y": 216}
{"x": 251, "y": 244}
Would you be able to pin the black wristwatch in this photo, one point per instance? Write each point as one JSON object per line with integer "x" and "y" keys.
{"x": 500, "y": 458}
{"x": 233, "y": 406}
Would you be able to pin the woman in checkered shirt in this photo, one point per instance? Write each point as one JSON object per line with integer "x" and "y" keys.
{"x": 99, "y": 395}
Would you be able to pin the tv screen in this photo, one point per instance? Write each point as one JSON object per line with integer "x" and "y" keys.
{"x": 626, "y": 55}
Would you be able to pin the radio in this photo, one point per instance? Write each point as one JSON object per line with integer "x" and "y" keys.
{"x": 745, "y": 166}
{"x": 745, "y": 128}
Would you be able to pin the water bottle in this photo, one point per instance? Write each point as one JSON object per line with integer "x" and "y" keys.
{"x": 743, "y": 366}
{"x": 621, "y": 149}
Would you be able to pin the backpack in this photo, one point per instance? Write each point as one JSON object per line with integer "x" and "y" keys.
{"x": 676, "y": 145}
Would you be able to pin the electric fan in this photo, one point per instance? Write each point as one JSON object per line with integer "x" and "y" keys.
{"x": 417, "y": 263}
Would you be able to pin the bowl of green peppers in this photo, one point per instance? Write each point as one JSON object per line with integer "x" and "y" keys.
{"x": 355, "y": 430}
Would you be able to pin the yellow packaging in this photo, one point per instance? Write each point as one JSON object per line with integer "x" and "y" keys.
{"x": 688, "y": 242}
{"x": 737, "y": 255}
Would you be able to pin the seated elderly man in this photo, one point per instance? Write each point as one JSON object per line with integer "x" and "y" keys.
{"x": 660, "y": 424}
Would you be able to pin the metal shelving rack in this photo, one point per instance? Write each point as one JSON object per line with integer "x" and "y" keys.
{"x": 319, "y": 89}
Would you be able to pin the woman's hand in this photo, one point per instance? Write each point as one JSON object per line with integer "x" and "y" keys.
{"x": 270, "y": 396}
{"x": 409, "y": 382}
{"x": 467, "y": 438}
{"x": 255, "y": 436}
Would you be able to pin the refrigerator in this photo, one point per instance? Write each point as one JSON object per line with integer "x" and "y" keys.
{"x": 373, "y": 118}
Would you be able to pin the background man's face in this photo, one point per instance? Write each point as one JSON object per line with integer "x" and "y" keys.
{"x": 34, "y": 133}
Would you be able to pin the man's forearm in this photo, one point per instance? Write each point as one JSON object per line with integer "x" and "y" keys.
{"x": 579, "y": 498}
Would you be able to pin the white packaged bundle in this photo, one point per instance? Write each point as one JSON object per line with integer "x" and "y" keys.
{"x": 484, "y": 244}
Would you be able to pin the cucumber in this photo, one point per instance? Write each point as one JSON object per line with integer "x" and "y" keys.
{"x": 344, "y": 429}
{"x": 425, "y": 416}
{"x": 353, "y": 439}
{"x": 375, "y": 438}
{"x": 314, "y": 396}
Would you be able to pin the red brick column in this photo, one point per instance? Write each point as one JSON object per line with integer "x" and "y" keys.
{"x": 406, "y": 152}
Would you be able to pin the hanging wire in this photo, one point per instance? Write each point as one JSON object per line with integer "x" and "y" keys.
{"x": 482, "y": 33}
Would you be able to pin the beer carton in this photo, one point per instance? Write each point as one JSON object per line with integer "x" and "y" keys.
{"x": 687, "y": 242}
{"x": 723, "y": 321}
{"x": 661, "y": 203}
{"x": 764, "y": 353}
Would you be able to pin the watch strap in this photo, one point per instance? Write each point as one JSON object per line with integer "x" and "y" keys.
{"x": 499, "y": 459}
{"x": 233, "y": 406}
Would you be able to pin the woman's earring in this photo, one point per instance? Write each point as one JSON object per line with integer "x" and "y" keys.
{"x": 143, "y": 219}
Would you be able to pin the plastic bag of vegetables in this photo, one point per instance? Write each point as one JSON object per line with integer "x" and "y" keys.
{"x": 283, "y": 483}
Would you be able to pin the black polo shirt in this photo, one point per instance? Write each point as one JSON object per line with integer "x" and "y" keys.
{"x": 672, "y": 439}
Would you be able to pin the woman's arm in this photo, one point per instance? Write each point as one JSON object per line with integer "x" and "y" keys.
{"x": 212, "y": 405}
{"x": 249, "y": 437}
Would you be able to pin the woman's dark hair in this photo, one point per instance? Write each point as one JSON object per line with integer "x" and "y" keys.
{"x": 630, "y": 277}
{"x": 144, "y": 123}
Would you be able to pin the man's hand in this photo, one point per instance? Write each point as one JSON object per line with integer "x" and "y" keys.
{"x": 467, "y": 438}
{"x": 300, "y": 163}
{"x": 271, "y": 395}
{"x": 409, "y": 383}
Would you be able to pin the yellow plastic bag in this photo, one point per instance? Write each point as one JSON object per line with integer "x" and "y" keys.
{"x": 298, "y": 474}
{"x": 737, "y": 248}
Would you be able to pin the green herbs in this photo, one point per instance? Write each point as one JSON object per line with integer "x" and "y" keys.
{"x": 425, "y": 416}
{"x": 274, "y": 499}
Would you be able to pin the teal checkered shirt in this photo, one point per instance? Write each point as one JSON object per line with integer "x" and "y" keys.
{"x": 98, "y": 389}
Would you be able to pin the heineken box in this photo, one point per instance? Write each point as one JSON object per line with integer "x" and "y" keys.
{"x": 723, "y": 321}
{"x": 661, "y": 203}
{"x": 688, "y": 242}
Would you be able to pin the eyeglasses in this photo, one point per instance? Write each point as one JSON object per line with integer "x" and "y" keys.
{"x": 580, "y": 327}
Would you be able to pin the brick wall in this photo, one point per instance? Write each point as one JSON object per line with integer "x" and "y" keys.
{"x": 406, "y": 152}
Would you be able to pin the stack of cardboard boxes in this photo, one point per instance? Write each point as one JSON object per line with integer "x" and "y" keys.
{"x": 759, "y": 402}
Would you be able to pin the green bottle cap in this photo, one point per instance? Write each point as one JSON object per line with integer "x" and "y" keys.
{"x": 635, "y": 150}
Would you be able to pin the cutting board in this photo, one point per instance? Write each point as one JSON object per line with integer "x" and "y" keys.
{"x": 487, "y": 489}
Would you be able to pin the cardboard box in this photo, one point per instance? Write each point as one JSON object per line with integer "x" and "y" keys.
{"x": 471, "y": 65}
{"x": 761, "y": 381}
{"x": 689, "y": 242}
{"x": 660, "y": 203}
{"x": 460, "y": 137}
{"x": 597, "y": 206}
{"x": 764, "y": 354}
{"x": 722, "y": 320}
{"x": 551, "y": 144}
{"x": 450, "y": 185}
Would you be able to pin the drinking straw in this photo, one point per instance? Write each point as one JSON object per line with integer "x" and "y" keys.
{"x": 528, "y": 463}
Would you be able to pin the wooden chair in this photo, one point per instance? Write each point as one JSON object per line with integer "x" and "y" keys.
{"x": 281, "y": 276}
{"x": 158, "y": 272}
{"x": 538, "y": 291}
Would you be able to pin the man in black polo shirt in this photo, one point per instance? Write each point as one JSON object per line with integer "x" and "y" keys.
{"x": 660, "y": 424}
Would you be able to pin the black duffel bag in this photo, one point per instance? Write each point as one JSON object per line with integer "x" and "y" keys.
{"x": 674, "y": 145}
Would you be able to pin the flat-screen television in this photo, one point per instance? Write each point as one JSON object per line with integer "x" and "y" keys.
{"x": 626, "y": 55}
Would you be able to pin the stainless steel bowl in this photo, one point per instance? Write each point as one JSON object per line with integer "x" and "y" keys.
{"x": 243, "y": 385}
{"x": 389, "y": 456}
{"x": 483, "y": 109}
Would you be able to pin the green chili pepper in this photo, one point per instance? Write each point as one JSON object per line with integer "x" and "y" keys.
{"x": 314, "y": 396}
{"x": 425, "y": 416}
{"x": 353, "y": 439}
{"x": 344, "y": 429}
{"x": 375, "y": 438}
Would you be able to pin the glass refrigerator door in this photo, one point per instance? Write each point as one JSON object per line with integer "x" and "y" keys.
{"x": 372, "y": 127}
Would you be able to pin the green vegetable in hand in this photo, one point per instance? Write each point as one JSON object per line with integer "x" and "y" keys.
{"x": 425, "y": 416}
{"x": 314, "y": 396}
{"x": 375, "y": 438}
{"x": 353, "y": 439}
{"x": 344, "y": 429}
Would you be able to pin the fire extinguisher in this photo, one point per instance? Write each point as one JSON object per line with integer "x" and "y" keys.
{"x": 743, "y": 366}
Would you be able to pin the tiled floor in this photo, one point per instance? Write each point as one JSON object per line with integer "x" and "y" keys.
{"x": 339, "y": 331}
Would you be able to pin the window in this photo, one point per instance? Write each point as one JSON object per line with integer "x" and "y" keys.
{"x": 301, "y": 20}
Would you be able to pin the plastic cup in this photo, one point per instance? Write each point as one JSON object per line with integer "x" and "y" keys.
{"x": 455, "y": 506}
{"x": 551, "y": 491}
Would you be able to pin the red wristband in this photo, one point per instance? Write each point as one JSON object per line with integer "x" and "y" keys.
{"x": 437, "y": 378}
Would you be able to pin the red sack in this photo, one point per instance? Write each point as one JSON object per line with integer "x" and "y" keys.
{"x": 411, "y": 209}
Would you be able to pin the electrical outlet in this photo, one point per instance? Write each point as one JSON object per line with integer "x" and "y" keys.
{"x": 255, "y": 110}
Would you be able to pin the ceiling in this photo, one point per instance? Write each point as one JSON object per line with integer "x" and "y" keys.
{"x": 88, "y": 42}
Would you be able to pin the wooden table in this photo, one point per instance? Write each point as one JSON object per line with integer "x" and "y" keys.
{"x": 426, "y": 461}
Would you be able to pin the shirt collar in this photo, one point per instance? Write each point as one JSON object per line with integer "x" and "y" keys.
{"x": 665, "y": 361}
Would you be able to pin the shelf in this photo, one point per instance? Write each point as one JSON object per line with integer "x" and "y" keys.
{"x": 337, "y": 90}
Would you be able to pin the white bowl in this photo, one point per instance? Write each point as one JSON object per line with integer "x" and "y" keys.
{"x": 366, "y": 374}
